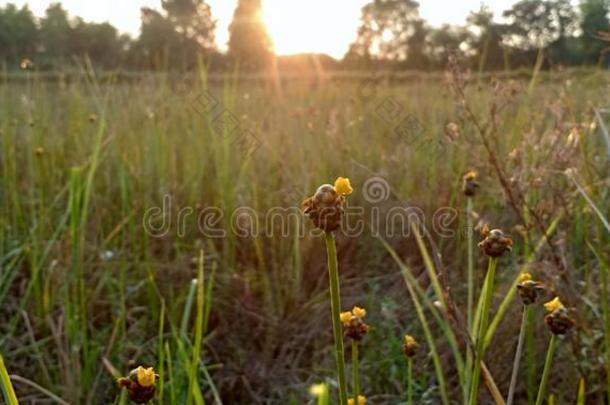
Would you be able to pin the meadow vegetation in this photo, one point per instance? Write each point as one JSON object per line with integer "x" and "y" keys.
{"x": 230, "y": 306}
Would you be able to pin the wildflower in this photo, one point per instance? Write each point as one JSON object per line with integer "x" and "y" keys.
{"x": 26, "y": 64}
{"x": 410, "y": 346}
{"x": 558, "y": 318}
{"x": 361, "y": 400}
{"x": 140, "y": 384}
{"x": 496, "y": 243}
{"x": 354, "y": 326}
{"x": 343, "y": 186}
{"x": 346, "y": 317}
{"x": 469, "y": 183}
{"x": 325, "y": 208}
{"x": 528, "y": 289}
{"x": 359, "y": 312}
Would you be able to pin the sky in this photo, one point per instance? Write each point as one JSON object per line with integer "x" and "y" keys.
{"x": 289, "y": 22}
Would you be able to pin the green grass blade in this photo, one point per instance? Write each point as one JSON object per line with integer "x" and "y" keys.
{"x": 7, "y": 387}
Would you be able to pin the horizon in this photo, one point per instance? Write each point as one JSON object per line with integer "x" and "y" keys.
{"x": 288, "y": 26}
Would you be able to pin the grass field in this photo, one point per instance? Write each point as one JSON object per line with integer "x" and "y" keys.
{"x": 157, "y": 222}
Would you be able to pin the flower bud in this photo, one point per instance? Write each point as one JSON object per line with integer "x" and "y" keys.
{"x": 140, "y": 384}
{"x": 558, "y": 319}
{"x": 496, "y": 243}
{"x": 410, "y": 346}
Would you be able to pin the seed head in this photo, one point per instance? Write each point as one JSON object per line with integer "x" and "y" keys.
{"x": 26, "y": 64}
{"x": 410, "y": 346}
{"x": 353, "y": 325}
{"x": 528, "y": 289}
{"x": 496, "y": 243}
{"x": 558, "y": 319}
{"x": 325, "y": 208}
{"x": 325, "y": 194}
{"x": 470, "y": 184}
{"x": 140, "y": 384}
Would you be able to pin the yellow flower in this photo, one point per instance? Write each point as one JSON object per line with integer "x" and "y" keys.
{"x": 146, "y": 376}
{"x": 343, "y": 186}
{"x": 361, "y": 400}
{"x": 359, "y": 312}
{"x": 346, "y": 317}
{"x": 524, "y": 277}
{"x": 410, "y": 346}
{"x": 410, "y": 340}
{"x": 471, "y": 175}
{"x": 553, "y": 305}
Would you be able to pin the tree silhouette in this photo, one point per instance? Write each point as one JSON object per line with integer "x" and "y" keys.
{"x": 537, "y": 23}
{"x": 446, "y": 41}
{"x": 192, "y": 19}
{"x": 177, "y": 37}
{"x": 386, "y": 28}
{"x": 488, "y": 48}
{"x": 249, "y": 43}
{"x": 18, "y": 34}
{"x": 55, "y": 35}
{"x": 101, "y": 43}
{"x": 594, "y": 20}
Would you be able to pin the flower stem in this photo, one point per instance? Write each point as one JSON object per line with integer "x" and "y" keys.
{"x": 471, "y": 285}
{"x": 471, "y": 291}
{"x": 606, "y": 315}
{"x": 355, "y": 376}
{"x": 480, "y": 340}
{"x": 409, "y": 381}
{"x": 513, "y": 378}
{"x": 547, "y": 369}
{"x": 335, "y": 303}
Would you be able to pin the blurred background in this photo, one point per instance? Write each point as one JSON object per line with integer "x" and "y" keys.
{"x": 154, "y": 156}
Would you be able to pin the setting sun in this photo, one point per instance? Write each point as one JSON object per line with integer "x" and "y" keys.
{"x": 319, "y": 26}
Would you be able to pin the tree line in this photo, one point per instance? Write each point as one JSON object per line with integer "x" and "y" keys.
{"x": 391, "y": 34}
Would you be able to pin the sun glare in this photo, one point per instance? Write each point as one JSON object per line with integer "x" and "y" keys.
{"x": 320, "y": 26}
